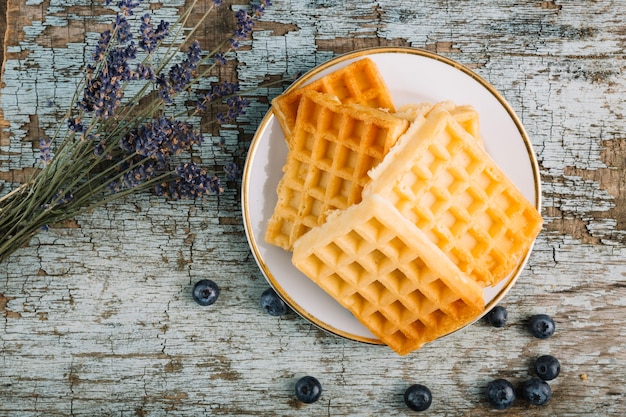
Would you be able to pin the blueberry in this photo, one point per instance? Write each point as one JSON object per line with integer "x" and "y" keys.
{"x": 308, "y": 389}
{"x": 205, "y": 292}
{"x": 418, "y": 397}
{"x": 536, "y": 391}
{"x": 498, "y": 316}
{"x": 500, "y": 394}
{"x": 542, "y": 326}
{"x": 273, "y": 304}
{"x": 547, "y": 367}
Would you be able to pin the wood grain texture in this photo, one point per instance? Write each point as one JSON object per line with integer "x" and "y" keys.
{"x": 96, "y": 317}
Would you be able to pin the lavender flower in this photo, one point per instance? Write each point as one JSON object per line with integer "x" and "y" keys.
{"x": 60, "y": 198}
{"x": 100, "y": 151}
{"x": 151, "y": 37}
{"x": 112, "y": 147}
{"x": 232, "y": 171}
{"x": 144, "y": 72}
{"x": 127, "y": 6}
{"x": 103, "y": 93}
{"x": 245, "y": 23}
{"x": 74, "y": 124}
{"x": 259, "y": 9}
{"x": 219, "y": 58}
{"x": 222, "y": 89}
{"x": 122, "y": 29}
{"x": 103, "y": 44}
{"x": 161, "y": 138}
{"x": 141, "y": 172}
{"x": 180, "y": 75}
{"x": 192, "y": 181}
{"x": 236, "y": 107}
{"x": 45, "y": 152}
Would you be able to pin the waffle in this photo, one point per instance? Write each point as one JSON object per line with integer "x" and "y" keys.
{"x": 388, "y": 274}
{"x": 444, "y": 182}
{"x": 334, "y": 146}
{"x": 359, "y": 82}
{"x": 465, "y": 115}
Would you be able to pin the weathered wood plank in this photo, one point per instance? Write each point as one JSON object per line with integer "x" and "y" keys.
{"x": 96, "y": 319}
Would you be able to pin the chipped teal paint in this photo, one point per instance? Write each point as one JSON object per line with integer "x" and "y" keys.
{"x": 99, "y": 317}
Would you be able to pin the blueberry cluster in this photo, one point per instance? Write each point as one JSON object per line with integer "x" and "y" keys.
{"x": 500, "y": 393}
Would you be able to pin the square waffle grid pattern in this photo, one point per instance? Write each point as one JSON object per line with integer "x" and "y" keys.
{"x": 455, "y": 194}
{"x": 377, "y": 268}
{"x": 333, "y": 149}
{"x": 359, "y": 82}
{"x": 465, "y": 115}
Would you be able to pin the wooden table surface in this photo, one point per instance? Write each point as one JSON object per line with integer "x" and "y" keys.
{"x": 96, "y": 316}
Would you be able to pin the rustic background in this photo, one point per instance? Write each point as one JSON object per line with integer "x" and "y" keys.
{"x": 96, "y": 316}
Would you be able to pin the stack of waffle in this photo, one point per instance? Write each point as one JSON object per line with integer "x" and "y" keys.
{"x": 337, "y": 128}
{"x": 359, "y": 82}
{"x": 401, "y": 216}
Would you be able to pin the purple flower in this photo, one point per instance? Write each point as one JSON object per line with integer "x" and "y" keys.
{"x": 63, "y": 197}
{"x": 60, "y": 198}
{"x": 220, "y": 59}
{"x": 103, "y": 43}
{"x": 99, "y": 149}
{"x": 161, "y": 138}
{"x": 144, "y": 72}
{"x": 245, "y": 23}
{"x": 259, "y": 9}
{"x": 232, "y": 171}
{"x": 103, "y": 92}
{"x": 75, "y": 125}
{"x": 236, "y": 107}
{"x": 45, "y": 152}
{"x": 122, "y": 29}
{"x": 126, "y": 6}
{"x": 149, "y": 36}
{"x": 201, "y": 105}
{"x": 191, "y": 181}
{"x": 140, "y": 173}
{"x": 220, "y": 90}
{"x": 180, "y": 75}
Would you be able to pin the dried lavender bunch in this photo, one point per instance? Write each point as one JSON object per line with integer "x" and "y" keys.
{"x": 126, "y": 131}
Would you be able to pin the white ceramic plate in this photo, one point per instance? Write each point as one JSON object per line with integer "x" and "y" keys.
{"x": 413, "y": 76}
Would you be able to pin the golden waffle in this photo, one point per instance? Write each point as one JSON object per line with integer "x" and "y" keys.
{"x": 443, "y": 181}
{"x": 334, "y": 146}
{"x": 384, "y": 270}
{"x": 359, "y": 82}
